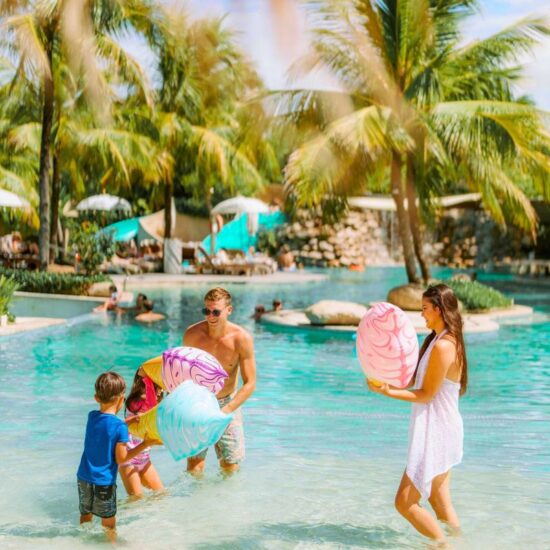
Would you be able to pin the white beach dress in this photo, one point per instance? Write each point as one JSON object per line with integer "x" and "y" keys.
{"x": 436, "y": 432}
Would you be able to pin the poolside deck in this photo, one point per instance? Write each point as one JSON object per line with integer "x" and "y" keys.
{"x": 165, "y": 279}
{"x": 473, "y": 322}
{"x": 24, "y": 324}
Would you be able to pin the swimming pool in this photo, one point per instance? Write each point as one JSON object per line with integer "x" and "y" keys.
{"x": 324, "y": 456}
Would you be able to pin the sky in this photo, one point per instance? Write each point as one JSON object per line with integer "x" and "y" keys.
{"x": 274, "y": 33}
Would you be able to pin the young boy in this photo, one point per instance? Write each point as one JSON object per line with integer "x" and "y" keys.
{"x": 104, "y": 449}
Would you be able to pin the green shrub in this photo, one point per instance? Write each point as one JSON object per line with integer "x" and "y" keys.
{"x": 7, "y": 287}
{"x": 476, "y": 296}
{"x": 92, "y": 247}
{"x": 52, "y": 283}
{"x": 267, "y": 241}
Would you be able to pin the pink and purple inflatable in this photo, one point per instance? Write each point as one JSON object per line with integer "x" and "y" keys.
{"x": 387, "y": 345}
{"x": 186, "y": 363}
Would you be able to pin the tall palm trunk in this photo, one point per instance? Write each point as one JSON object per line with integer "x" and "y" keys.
{"x": 44, "y": 170}
{"x": 168, "y": 191}
{"x": 415, "y": 224}
{"x": 56, "y": 184}
{"x": 402, "y": 218}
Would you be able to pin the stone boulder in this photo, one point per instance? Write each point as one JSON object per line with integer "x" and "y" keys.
{"x": 100, "y": 290}
{"x": 407, "y": 297}
{"x": 332, "y": 312}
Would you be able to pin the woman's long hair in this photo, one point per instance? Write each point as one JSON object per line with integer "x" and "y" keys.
{"x": 442, "y": 297}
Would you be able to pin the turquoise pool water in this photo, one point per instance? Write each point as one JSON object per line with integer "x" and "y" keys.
{"x": 324, "y": 456}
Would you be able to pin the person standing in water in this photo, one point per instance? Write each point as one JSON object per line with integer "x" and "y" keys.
{"x": 233, "y": 347}
{"x": 436, "y": 430}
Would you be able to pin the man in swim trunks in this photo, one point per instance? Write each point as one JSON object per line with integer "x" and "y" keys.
{"x": 233, "y": 347}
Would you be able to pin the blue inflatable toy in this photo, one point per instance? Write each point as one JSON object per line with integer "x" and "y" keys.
{"x": 189, "y": 420}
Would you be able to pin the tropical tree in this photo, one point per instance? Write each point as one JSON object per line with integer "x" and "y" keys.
{"x": 417, "y": 102}
{"x": 17, "y": 169}
{"x": 41, "y": 35}
{"x": 198, "y": 121}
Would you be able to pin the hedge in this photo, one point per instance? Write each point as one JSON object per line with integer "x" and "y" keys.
{"x": 52, "y": 283}
{"x": 477, "y": 297}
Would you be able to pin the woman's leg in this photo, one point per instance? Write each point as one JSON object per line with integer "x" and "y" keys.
{"x": 407, "y": 503}
{"x": 440, "y": 499}
{"x": 131, "y": 479}
{"x": 150, "y": 478}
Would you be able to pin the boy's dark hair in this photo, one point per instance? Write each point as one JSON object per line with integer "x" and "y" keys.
{"x": 109, "y": 386}
{"x": 112, "y": 288}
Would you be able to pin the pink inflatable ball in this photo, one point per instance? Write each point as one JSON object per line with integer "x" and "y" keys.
{"x": 186, "y": 363}
{"x": 387, "y": 345}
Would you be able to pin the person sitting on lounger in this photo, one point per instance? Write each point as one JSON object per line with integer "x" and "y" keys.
{"x": 285, "y": 259}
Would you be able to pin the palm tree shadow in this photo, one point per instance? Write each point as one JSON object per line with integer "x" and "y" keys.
{"x": 339, "y": 535}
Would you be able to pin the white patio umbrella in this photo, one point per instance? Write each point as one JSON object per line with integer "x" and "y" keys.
{"x": 104, "y": 202}
{"x": 11, "y": 200}
{"x": 237, "y": 206}
{"x": 240, "y": 205}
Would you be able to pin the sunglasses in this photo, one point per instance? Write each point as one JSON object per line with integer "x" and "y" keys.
{"x": 215, "y": 312}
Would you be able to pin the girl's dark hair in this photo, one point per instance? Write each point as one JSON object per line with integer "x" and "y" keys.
{"x": 442, "y": 297}
{"x": 109, "y": 386}
{"x": 136, "y": 392}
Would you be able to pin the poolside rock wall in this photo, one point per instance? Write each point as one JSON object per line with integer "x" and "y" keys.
{"x": 460, "y": 238}
{"x": 466, "y": 238}
{"x": 359, "y": 238}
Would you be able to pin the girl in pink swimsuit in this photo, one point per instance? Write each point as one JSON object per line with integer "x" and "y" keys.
{"x": 139, "y": 471}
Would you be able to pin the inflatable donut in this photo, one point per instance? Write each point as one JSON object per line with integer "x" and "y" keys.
{"x": 177, "y": 365}
{"x": 387, "y": 345}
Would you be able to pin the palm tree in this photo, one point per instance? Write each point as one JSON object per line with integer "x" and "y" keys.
{"x": 42, "y": 34}
{"x": 198, "y": 121}
{"x": 17, "y": 169}
{"x": 418, "y": 103}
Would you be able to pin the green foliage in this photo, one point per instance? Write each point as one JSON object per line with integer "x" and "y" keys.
{"x": 92, "y": 247}
{"x": 478, "y": 297}
{"x": 51, "y": 283}
{"x": 192, "y": 206}
{"x": 267, "y": 241}
{"x": 8, "y": 286}
{"x": 418, "y": 96}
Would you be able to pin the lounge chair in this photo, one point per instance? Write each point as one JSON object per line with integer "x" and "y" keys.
{"x": 236, "y": 264}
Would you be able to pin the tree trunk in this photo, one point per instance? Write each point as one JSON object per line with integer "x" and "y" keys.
{"x": 44, "y": 170}
{"x": 415, "y": 224}
{"x": 56, "y": 184}
{"x": 403, "y": 219}
{"x": 168, "y": 209}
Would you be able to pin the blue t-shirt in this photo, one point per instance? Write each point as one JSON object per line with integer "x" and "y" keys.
{"x": 103, "y": 432}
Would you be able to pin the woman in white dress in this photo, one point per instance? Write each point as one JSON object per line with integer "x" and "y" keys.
{"x": 435, "y": 432}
